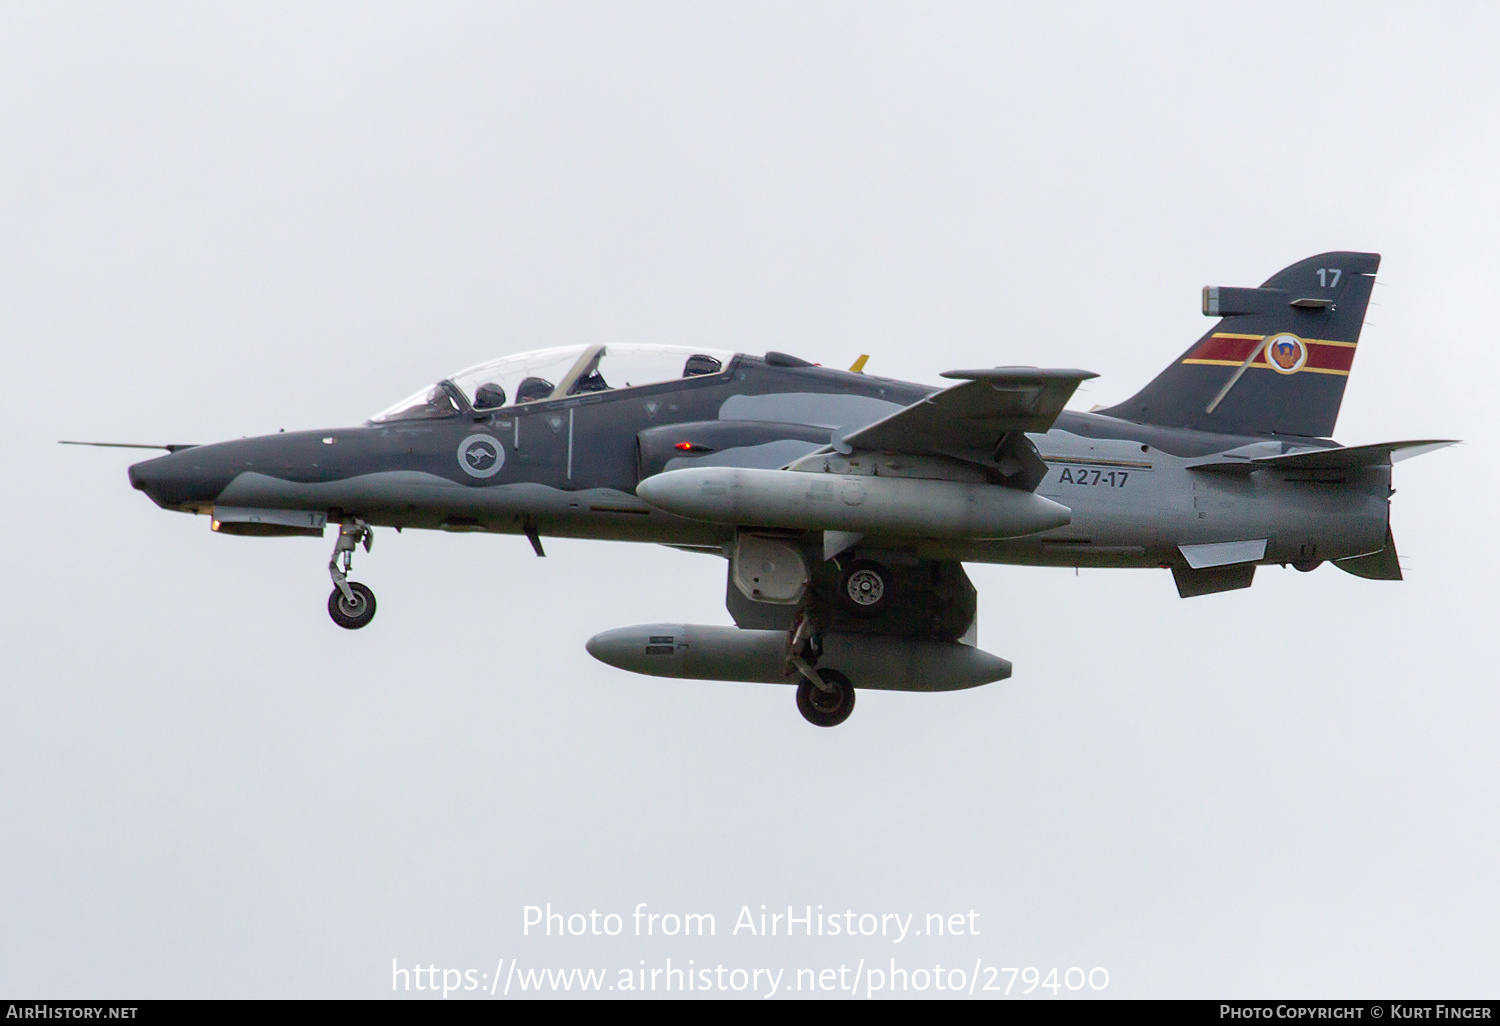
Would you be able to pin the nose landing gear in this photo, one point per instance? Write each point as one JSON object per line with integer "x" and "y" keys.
{"x": 355, "y": 610}
{"x": 352, "y": 605}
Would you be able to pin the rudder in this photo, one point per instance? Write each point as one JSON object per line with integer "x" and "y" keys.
{"x": 1277, "y": 361}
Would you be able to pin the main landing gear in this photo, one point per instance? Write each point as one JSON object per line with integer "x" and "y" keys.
{"x": 865, "y": 588}
{"x": 825, "y": 698}
{"x": 352, "y": 605}
{"x": 828, "y": 705}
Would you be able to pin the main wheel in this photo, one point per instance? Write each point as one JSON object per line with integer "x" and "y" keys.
{"x": 826, "y": 708}
{"x": 865, "y": 588}
{"x": 352, "y": 615}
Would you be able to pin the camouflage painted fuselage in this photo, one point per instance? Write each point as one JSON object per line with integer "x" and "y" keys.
{"x": 568, "y": 467}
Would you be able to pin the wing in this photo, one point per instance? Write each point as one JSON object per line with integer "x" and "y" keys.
{"x": 984, "y": 420}
{"x": 972, "y": 419}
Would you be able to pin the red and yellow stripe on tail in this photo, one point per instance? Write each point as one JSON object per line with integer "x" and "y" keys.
{"x": 1283, "y": 352}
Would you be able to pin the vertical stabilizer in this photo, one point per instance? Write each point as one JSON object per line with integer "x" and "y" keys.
{"x": 1278, "y": 359}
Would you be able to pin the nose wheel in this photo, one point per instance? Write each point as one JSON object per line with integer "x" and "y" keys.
{"x": 352, "y": 605}
{"x": 352, "y": 613}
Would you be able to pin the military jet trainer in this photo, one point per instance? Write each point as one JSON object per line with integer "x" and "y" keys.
{"x": 846, "y": 504}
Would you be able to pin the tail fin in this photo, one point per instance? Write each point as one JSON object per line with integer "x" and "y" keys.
{"x": 1277, "y": 361}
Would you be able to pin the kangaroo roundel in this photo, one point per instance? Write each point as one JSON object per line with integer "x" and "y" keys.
{"x": 481, "y": 455}
{"x": 1286, "y": 353}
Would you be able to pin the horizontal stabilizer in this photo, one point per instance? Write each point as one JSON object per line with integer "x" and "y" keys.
{"x": 969, "y": 421}
{"x": 1380, "y": 454}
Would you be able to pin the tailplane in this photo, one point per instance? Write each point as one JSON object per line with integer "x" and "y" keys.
{"x": 1277, "y": 361}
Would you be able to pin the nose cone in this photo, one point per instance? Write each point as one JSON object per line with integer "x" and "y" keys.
{"x": 177, "y": 480}
{"x": 154, "y": 479}
{"x": 140, "y": 475}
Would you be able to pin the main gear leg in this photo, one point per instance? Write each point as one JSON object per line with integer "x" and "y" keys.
{"x": 824, "y": 697}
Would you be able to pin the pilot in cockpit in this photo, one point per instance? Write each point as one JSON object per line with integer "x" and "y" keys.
{"x": 490, "y": 396}
{"x": 533, "y": 389}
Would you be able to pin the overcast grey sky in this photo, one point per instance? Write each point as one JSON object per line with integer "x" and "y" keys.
{"x": 219, "y": 220}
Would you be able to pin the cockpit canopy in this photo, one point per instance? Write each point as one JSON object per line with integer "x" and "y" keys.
{"x": 555, "y": 374}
